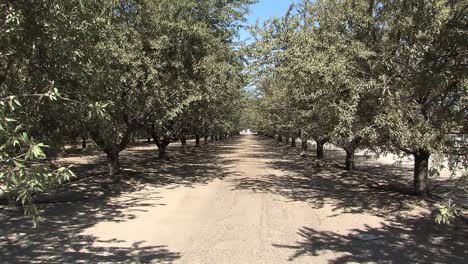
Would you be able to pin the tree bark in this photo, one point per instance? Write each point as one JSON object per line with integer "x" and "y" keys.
{"x": 280, "y": 138}
{"x": 111, "y": 149}
{"x": 421, "y": 172}
{"x": 320, "y": 152}
{"x": 293, "y": 142}
{"x": 162, "y": 151}
{"x": 161, "y": 144}
{"x": 304, "y": 144}
{"x": 113, "y": 164}
{"x": 197, "y": 140}
{"x": 349, "y": 164}
{"x": 83, "y": 142}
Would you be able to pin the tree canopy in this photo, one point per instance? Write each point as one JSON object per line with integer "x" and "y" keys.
{"x": 111, "y": 70}
{"x": 376, "y": 75}
{"x": 384, "y": 76}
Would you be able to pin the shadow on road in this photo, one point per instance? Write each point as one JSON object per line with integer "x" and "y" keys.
{"x": 410, "y": 240}
{"x": 375, "y": 189}
{"x": 59, "y": 239}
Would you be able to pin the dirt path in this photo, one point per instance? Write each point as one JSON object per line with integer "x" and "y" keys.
{"x": 245, "y": 201}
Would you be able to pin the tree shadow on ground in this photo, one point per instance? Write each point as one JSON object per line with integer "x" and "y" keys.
{"x": 372, "y": 187}
{"x": 410, "y": 240}
{"x": 58, "y": 238}
{"x": 83, "y": 203}
{"x": 377, "y": 189}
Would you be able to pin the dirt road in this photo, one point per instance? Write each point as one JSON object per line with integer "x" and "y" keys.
{"x": 242, "y": 201}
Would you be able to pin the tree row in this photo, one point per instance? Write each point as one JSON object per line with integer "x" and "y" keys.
{"x": 384, "y": 76}
{"x": 111, "y": 71}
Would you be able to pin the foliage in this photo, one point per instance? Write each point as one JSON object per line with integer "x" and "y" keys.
{"x": 388, "y": 76}
{"x": 123, "y": 68}
{"x": 24, "y": 171}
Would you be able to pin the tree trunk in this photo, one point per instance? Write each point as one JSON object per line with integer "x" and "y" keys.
{"x": 113, "y": 164}
{"x": 111, "y": 149}
{"x": 197, "y": 140}
{"x": 162, "y": 151}
{"x": 349, "y": 159}
{"x": 205, "y": 141}
{"x": 83, "y": 142}
{"x": 212, "y": 138}
{"x": 293, "y": 142}
{"x": 216, "y": 138}
{"x": 161, "y": 144}
{"x": 149, "y": 140}
{"x": 421, "y": 172}
{"x": 320, "y": 153}
{"x": 287, "y": 140}
{"x": 280, "y": 138}
{"x": 183, "y": 141}
{"x": 304, "y": 144}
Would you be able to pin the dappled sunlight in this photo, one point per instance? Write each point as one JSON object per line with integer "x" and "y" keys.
{"x": 58, "y": 238}
{"x": 408, "y": 240}
{"x": 370, "y": 189}
{"x": 74, "y": 208}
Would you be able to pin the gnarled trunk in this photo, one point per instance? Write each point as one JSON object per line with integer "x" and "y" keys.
{"x": 113, "y": 164}
{"x": 320, "y": 152}
{"x": 280, "y": 138}
{"x": 349, "y": 164}
{"x": 162, "y": 151}
{"x": 304, "y": 144}
{"x": 111, "y": 149}
{"x": 421, "y": 172}
{"x": 320, "y": 148}
{"x": 161, "y": 144}
{"x": 83, "y": 142}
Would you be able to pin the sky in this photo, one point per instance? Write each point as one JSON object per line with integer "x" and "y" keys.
{"x": 263, "y": 10}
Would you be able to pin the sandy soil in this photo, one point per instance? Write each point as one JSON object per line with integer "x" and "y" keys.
{"x": 246, "y": 200}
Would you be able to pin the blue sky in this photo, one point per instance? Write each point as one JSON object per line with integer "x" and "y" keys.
{"x": 262, "y": 11}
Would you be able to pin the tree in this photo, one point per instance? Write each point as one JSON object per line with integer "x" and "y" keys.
{"x": 378, "y": 75}
{"x": 24, "y": 170}
{"x": 122, "y": 67}
{"x": 423, "y": 85}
